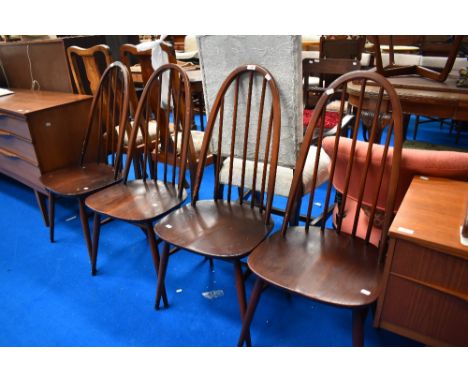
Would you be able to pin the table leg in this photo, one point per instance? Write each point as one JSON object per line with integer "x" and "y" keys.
{"x": 406, "y": 119}
{"x": 42, "y": 206}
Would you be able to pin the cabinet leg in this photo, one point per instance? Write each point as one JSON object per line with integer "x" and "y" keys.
{"x": 40, "y": 198}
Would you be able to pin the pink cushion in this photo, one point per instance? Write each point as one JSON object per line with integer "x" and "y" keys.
{"x": 446, "y": 164}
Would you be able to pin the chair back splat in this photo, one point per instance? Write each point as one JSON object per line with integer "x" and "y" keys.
{"x": 247, "y": 144}
{"x": 87, "y": 66}
{"x": 370, "y": 179}
{"x": 110, "y": 108}
{"x": 166, "y": 94}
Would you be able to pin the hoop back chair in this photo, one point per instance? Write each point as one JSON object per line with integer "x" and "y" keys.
{"x": 142, "y": 201}
{"x": 330, "y": 265}
{"x": 129, "y": 52}
{"x": 92, "y": 61}
{"x": 100, "y": 163}
{"x": 224, "y": 228}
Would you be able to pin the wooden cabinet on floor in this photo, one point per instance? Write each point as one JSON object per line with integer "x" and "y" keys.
{"x": 425, "y": 294}
{"x": 40, "y": 131}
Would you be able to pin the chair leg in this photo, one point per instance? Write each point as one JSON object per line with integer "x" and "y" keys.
{"x": 254, "y": 298}
{"x": 162, "y": 275}
{"x": 359, "y": 317}
{"x": 51, "y": 216}
{"x": 96, "y": 232}
{"x": 240, "y": 286}
{"x": 85, "y": 226}
{"x": 155, "y": 255}
{"x": 416, "y": 124}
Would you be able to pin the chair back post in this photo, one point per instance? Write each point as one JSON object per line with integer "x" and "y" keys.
{"x": 153, "y": 103}
{"x": 110, "y": 108}
{"x": 362, "y": 191}
{"x": 266, "y": 163}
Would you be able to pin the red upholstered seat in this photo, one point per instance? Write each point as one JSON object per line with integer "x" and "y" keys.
{"x": 446, "y": 164}
{"x": 331, "y": 118}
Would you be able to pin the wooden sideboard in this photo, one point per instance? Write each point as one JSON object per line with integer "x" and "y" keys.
{"x": 40, "y": 131}
{"x": 425, "y": 295}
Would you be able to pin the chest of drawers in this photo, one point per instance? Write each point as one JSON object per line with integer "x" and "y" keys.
{"x": 40, "y": 131}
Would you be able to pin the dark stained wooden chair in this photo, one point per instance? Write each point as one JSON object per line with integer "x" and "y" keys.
{"x": 94, "y": 169}
{"x": 329, "y": 265}
{"x": 92, "y": 61}
{"x": 129, "y": 52}
{"x": 142, "y": 201}
{"x": 349, "y": 48}
{"x": 320, "y": 67}
{"x": 223, "y": 228}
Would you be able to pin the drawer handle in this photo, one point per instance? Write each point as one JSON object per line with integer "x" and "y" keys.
{"x": 9, "y": 154}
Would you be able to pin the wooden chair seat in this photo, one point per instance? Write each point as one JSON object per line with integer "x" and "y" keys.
{"x": 215, "y": 228}
{"x": 323, "y": 266}
{"x": 79, "y": 181}
{"x": 136, "y": 201}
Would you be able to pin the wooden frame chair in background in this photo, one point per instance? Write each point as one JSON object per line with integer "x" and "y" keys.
{"x": 87, "y": 66}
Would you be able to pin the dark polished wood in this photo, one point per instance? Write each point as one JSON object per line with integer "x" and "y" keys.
{"x": 37, "y": 136}
{"x": 210, "y": 227}
{"x": 142, "y": 201}
{"x": 99, "y": 164}
{"x": 396, "y": 70}
{"x": 421, "y": 97}
{"x": 425, "y": 293}
{"x": 322, "y": 68}
{"x": 224, "y": 228}
{"x": 333, "y": 266}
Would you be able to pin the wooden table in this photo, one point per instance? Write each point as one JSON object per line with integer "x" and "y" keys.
{"x": 422, "y": 96}
{"x": 40, "y": 131}
{"x": 425, "y": 295}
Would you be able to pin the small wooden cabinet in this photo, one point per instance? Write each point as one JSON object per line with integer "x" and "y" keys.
{"x": 40, "y": 131}
{"x": 425, "y": 294}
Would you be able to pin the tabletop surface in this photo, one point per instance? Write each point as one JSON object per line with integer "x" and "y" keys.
{"x": 416, "y": 87}
{"x": 25, "y": 101}
{"x": 431, "y": 214}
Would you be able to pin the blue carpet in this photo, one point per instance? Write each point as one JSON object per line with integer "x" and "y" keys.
{"x": 49, "y": 298}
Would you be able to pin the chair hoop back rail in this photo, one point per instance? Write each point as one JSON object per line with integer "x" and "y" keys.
{"x": 271, "y": 144}
{"x": 151, "y": 103}
{"x": 110, "y": 108}
{"x": 317, "y": 123}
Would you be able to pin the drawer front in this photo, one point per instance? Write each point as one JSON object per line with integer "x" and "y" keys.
{"x": 15, "y": 125}
{"x": 426, "y": 312}
{"x": 431, "y": 267}
{"x": 16, "y": 167}
{"x": 12, "y": 143}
